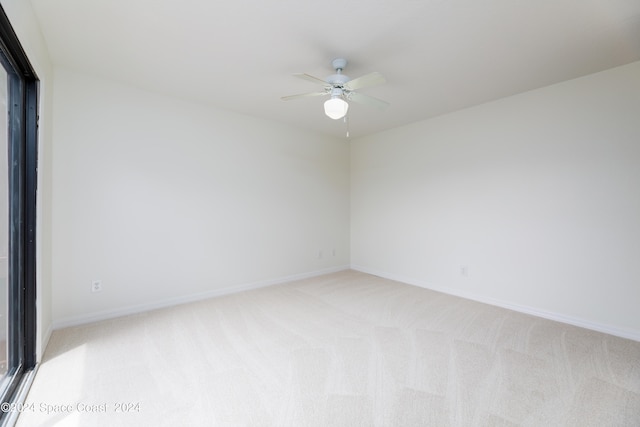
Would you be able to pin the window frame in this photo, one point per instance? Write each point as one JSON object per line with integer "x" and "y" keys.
{"x": 22, "y": 104}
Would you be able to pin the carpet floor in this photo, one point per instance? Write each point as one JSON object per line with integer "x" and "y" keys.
{"x": 344, "y": 349}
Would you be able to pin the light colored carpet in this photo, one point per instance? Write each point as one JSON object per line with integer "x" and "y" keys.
{"x": 345, "y": 349}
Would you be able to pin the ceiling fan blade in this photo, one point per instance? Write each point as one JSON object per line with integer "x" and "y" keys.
{"x": 371, "y": 79}
{"x": 367, "y": 100}
{"x": 310, "y": 78}
{"x": 303, "y": 95}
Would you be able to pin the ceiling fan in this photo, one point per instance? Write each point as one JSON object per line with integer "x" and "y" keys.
{"x": 342, "y": 89}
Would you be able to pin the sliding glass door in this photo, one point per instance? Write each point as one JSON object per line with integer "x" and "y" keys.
{"x": 4, "y": 223}
{"x": 18, "y": 168}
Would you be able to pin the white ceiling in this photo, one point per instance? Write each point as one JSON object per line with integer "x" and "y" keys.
{"x": 437, "y": 55}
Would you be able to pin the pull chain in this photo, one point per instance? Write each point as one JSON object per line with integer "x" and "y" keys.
{"x": 347, "y": 122}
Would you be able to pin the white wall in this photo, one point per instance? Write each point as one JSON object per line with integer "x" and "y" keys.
{"x": 537, "y": 195}
{"x": 26, "y": 27}
{"x": 166, "y": 201}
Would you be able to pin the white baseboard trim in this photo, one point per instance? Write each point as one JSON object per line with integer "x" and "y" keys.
{"x": 558, "y": 317}
{"x": 141, "y": 308}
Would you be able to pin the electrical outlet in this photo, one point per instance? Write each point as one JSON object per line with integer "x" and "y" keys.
{"x": 96, "y": 286}
{"x": 464, "y": 271}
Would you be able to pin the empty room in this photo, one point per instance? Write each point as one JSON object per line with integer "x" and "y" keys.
{"x": 356, "y": 213}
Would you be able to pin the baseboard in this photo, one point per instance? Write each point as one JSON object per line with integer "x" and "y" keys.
{"x": 141, "y": 308}
{"x": 558, "y": 317}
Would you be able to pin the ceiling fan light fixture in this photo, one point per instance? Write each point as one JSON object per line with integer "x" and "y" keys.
{"x": 341, "y": 89}
{"x": 336, "y": 108}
